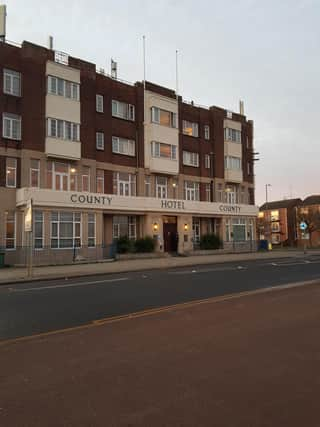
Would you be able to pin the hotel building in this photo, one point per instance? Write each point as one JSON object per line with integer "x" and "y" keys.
{"x": 101, "y": 158}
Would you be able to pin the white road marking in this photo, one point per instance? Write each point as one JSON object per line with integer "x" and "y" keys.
{"x": 207, "y": 270}
{"x": 71, "y": 285}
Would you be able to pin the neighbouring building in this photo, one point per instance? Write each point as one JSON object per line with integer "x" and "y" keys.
{"x": 309, "y": 212}
{"x": 101, "y": 158}
{"x": 277, "y": 222}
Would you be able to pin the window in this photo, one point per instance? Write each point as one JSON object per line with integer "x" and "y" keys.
{"x": 190, "y": 128}
{"x": 123, "y": 146}
{"x": 10, "y": 230}
{"x": 233, "y": 163}
{"x": 275, "y": 216}
{"x": 166, "y": 151}
{"x": 190, "y": 159}
{"x": 163, "y": 117}
{"x": 65, "y": 230}
{"x": 161, "y": 187}
{"x": 232, "y": 135}
{"x": 196, "y": 231}
{"x": 91, "y": 230}
{"x": 99, "y": 140}
{"x": 231, "y": 194}
{"x": 207, "y": 161}
{"x": 86, "y": 178}
{"x": 11, "y": 126}
{"x": 124, "y": 226}
{"x": 61, "y": 177}
{"x": 275, "y": 227}
{"x": 63, "y": 130}
{"x": 99, "y": 103}
{"x": 220, "y": 193}
{"x": 229, "y": 114}
{"x": 65, "y": 88}
{"x": 100, "y": 180}
{"x": 11, "y": 172}
{"x": 38, "y": 229}
{"x": 122, "y": 110}
{"x": 191, "y": 191}
{"x": 275, "y": 239}
{"x": 206, "y": 132}
{"x": 208, "y": 192}
{"x": 124, "y": 184}
{"x": 35, "y": 173}
{"x": 239, "y": 229}
{"x": 11, "y": 82}
{"x": 147, "y": 183}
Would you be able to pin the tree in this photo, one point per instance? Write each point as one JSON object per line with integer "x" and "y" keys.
{"x": 311, "y": 216}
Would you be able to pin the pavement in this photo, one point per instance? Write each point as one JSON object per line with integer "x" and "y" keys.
{"x": 14, "y": 275}
{"x": 249, "y": 361}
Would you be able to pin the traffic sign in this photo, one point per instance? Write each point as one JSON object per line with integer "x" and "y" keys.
{"x": 303, "y": 226}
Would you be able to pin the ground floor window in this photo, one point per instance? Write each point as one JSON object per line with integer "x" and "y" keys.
{"x": 91, "y": 230}
{"x": 38, "y": 229}
{"x": 239, "y": 229}
{"x": 236, "y": 229}
{"x": 65, "y": 230}
{"x": 196, "y": 230}
{"x": 10, "y": 230}
{"x": 124, "y": 226}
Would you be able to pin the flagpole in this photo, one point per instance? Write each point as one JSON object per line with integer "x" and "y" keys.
{"x": 177, "y": 75}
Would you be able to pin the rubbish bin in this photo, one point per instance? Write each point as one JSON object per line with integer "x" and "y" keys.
{"x": 2, "y": 259}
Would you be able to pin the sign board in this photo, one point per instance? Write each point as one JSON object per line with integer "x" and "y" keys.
{"x": 303, "y": 226}
{"x": 28, "y": 216}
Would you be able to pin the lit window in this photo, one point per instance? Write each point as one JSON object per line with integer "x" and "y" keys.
{"x": 190, "y": 128}
{"x": 163, "y": 117}
{"x": 10, "y": 230}
{"x": 166, "y": 151}
{"x": 274, "y": 215}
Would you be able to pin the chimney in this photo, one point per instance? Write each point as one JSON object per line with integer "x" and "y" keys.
{"x": 241, "y": 107}
{"x": 3, "y": 19}
{"x": 50, "y": 42}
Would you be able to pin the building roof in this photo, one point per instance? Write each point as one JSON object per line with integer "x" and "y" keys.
{"x": 312, "y": 200}
{"x": 278, "y": 204}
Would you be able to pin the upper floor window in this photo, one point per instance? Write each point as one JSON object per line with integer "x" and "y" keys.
{"x": 166, "y": 151}
{"x": 61, "y": 87}
{"x": 163, "y": 117}
{"x": 161, "y": 187}
{"x": 11, "y": 172}
{"x": 61, "y": 177}
{"x": 91, "y": 230}
{"x": 99, "y": 140}
{"x": 35, "y": 173}
{"x": 86, "y": 178}
{"x": 190, "y": 128}
{"x": 11, "y": 126}
{"x": 190, "y": 159}
{"x": 100, "y": 181}
{"x": 233, "y": 135}
{"x": 63, "y": 130}
{"x": 207, "y": 161}
{"x": 11, "y": 82}
{"x": 229, "y": 114}
{"x": 208, "y": 192}
{"x": 191, "y": 190}
{"x": 122, "y": 110}
{"x": 124, "y": 184}
{"x": 231, "y": 162}
{"x": 99, "y": 103}
{"x": 123, "y": 146}
{"x": 206, "y": 132}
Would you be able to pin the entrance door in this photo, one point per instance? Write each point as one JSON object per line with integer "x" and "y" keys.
{"x": 170, "y": 234}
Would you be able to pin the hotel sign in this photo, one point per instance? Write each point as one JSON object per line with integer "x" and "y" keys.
{"x": 91, "y": 199}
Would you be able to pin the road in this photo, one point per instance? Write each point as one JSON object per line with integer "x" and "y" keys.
{"x": 38, "y": 307}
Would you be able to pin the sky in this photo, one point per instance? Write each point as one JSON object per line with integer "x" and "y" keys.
{"x": 265, "y": 53}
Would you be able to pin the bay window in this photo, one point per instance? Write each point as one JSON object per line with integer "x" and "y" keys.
{"x": 65, "y": 88}
{"x": 233, "y": 163}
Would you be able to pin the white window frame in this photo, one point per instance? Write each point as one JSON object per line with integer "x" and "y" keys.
{"x": 74, "y": 237}
{"x": 232, "y": 163}
{"x": 10, "y": 77}
{"x": 156, "y": 113}
{"x": 14, "y": 221}
{"x": 14, "y": 121}
{"x": 131, "y": 222}
{"x": 36, "y": 238}
{"x": 64, "y": 88}
{"x": 206, "y": 132}
{"x": 62, "y": 129}
{"x": 207, "y": 161}
{"x": 128, "y": 187}
{"x": 101, "y": 180}
{"x": 9, "y": 170}
{"x": 37, "y": 170}
{"x": 124, "y": 146}
{"x": 232, "y": 135}
{"x": 192, "y": 191}
{"x": 92, "y": 239}
{"x": 191, "y": 159}
{"x": 186, "y": 124}
{"x": 208, "y": 192}
{"x": 85, "y": 175}
{"x": 99, "y": 103}
{"x": 100, "y": 141}
{"x": 156, "y": 150}
{"x": 161, "y": 187}
{"x": 129, "y": 110}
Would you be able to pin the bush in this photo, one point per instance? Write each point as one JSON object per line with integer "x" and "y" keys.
{"x": 144, "y": 245}
{"x": 124, "y": 245}
{"x": 210, "y": 241}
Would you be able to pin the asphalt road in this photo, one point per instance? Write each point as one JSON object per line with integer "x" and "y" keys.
{"x": 36, "y": 307}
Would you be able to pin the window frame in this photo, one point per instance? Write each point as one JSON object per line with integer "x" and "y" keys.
{"x": 74, "y": 226}
{"x": 118, "y": 141}
{"x": 14, "y": 168}
{"x": 12, "y": 118}
{"x": 14, "y": 222}
{"x": 207, "y": 132}
{"x": 101, "y": 179}
{"x": 194, "y": 126}
{"x": 99, "y": 103}
{"x": 94, "y": 237}
{"x": 12, "y": 75}
{"x": 32, "y": 169}
{"x": 98, "y": 147}
{"x": 61, "y": 88}
{"x": 191, "y": 191}
{"x": 156, "y": 150}
{"x": 156, "y": 117}
{"x": 129, "y": 110}
{"x": 190, "y": 158}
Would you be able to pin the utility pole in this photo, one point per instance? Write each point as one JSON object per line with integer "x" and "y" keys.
{"x": 268, "y": 221}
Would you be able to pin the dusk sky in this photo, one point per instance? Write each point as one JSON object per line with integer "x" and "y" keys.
{"x": 266, "y": 53}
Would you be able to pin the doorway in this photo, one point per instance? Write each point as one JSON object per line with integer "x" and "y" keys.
{"x": 170, "y": 234}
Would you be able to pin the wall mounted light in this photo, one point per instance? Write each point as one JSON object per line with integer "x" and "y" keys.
{"x": 186, "y": 227}
{"x": 155, "y": 226}
{"x": 73, "y": 170}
